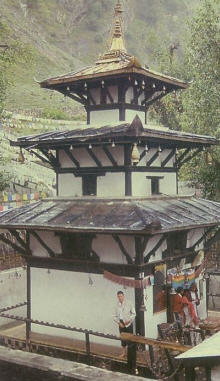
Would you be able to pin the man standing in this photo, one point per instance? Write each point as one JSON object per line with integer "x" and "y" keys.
{"x": 124, "y": 317}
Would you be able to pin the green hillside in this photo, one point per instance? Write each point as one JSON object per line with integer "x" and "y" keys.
{"x": 68, "y": 34}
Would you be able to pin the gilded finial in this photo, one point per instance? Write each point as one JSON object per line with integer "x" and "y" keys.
{"x": 117, "y": 43}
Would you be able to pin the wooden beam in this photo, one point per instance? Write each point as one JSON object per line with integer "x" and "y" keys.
{"x": 52, "y": 159}
{"x": 94, "y": 157}
{"x": 43, "y": 244}
{"x": 122, "y": 248}
{"x": 76, "y": 265}
{"x": 40, "y": 157}
{"x": 155, "y": 248}
{"x": 202, "y": 238}
{"x": 90, "y": 97}
{"x": 127, "y": 166}
{"x": 20, "y": 240}
{"x": 179, "y": 159}
{"x": 109, "y": 156}
{"x": 169, "y": 156}
{"x": 72, "y": 158}
{"x": 109, "y": 95}
{"x": 12, "y": 244}
{"x": 28, "y": 320}
{"x": 116, "y": 169}
{"x": 72, "y": 96}
{"x": 154, "y": 157}
{"x": 158, "y": 343}
{"x": 195, "y": 153}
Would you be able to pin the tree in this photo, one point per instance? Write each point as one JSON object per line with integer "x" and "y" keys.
{"x": 201, "y": 101}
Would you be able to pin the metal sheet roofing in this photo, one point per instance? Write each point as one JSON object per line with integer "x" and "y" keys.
{"x": 128, "y": 215}
{"x": 117, "y": 131}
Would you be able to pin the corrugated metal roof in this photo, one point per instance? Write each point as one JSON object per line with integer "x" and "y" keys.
{"x": 120, "y": 130}
{"x": 155, "y": 215}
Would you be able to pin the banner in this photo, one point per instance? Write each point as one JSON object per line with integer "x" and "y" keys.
{"x": 126, "y": 281}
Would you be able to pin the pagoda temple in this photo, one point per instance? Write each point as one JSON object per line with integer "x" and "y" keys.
{"x": 117, "y": 221}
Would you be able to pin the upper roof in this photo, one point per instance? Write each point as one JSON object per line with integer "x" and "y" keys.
{"x": 127, "y": 215}
{"x": 115, "y": 62}
{"x": 121, "y": 132}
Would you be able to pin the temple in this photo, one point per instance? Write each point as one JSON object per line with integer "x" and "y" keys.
{"x": 117, "y": 220}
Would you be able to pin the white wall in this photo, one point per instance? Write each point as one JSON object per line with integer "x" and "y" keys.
{"x": 50, "y": 239}
{"x": 141, "y": 186}
{"x": 69, "y": 185}
{"x": 68, "y": 298}
{"x": 13, "y": 291}
{"x": 111, "y": 185}
{"x": 109, "y": 251}
{"x": 104, "y": 117}
{"x": 151, "y": 319}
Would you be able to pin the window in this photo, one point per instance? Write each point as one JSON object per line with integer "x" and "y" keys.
{"x": 155, "y": 184}
{"x": 89, "y": 185}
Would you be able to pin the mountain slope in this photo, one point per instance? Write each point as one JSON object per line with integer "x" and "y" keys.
{"x": 69, "y": 34}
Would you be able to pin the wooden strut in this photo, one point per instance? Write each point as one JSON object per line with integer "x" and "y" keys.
{"x": 43, "y": 244}
{"x": 72, "y": 158}
{"x": 155, "y": 248}
{"x": 180, "y": 164}
{"x": 13, "y": 245}
{"x": 122, "y": 248}
{"x": 202, "y": 238}
{"x": 109, "y": 156}
{"x": 169, "y": 156}
{"x": 94, "y": 157}
{"x": 154, "y": 157}
{"x": 20, "y": 240}
{"x": 40, "y": 157}
{"x": 52, "y": 159}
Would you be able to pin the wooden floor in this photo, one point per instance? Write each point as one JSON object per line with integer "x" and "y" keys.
{"x": 17, "y": 332}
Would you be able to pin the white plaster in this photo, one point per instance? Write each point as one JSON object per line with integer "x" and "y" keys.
{"x": 131, "y": 114}
{"x": 113, "y": 90}
{"x": 141, "y": 186}
{"x": 65, "y": 161}
{"x": 193, "y": 236}
{"x": 13, "y": 291}
{"x": 141, "y": 98}
{"x": 69, "y": 185}
{"x": 50, "y": 239}
{"x": 96, "y": 94}
{"x": 104, "y": 117}
{"x": 70, "y": 299}
{"x": 129, "y": 95}
{"x": 151, "y": 319}
{"x": 109, "y": 251}
{"x": 202, "y": 310}
{"x": 111, "y": 185}
{"x": 152, "y": 242}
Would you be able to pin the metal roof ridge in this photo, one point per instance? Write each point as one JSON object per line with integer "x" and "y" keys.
{"x": 112, "y": 199}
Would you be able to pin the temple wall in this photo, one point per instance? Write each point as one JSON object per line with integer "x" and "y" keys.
{"x": 104, "y": 117}
{"x": 141, "y": 186}
{"x": 111, "y": 185}
{"x": 13, "y": 291}
{"x": 69, "y": 185}
{"x": 131, "y": 114}
{"x": 75, "y": 299}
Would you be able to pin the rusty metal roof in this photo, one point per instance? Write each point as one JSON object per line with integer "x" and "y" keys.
{"x": 126, "y": 132}
{"x": 128, "y": 215}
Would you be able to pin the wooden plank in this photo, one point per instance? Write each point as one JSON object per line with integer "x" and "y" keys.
{"x": 158, "y": 343}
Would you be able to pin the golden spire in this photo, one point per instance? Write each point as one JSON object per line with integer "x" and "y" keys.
{"x": 117, "y": 39}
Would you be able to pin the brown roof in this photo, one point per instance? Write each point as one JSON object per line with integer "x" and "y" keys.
{"x": 108, "y": 69}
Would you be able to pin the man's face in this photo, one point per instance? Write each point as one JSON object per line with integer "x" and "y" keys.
{"x": 121, "y": 297}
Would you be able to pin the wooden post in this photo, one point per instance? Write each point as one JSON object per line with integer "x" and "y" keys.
{"x": 139, "y": 292}
{"x": 127, "y": 164}
{"x": 28, "y": 323}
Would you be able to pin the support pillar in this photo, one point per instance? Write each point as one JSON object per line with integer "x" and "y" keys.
{"x": 28, "y": 323}
{"x": 139, "y": 292}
